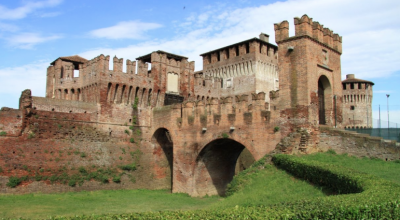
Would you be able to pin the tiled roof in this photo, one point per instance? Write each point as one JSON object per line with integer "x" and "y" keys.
{"x": 75, "y": 59}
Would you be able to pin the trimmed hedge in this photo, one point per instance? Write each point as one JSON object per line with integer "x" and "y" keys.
{"x": 362, "y": 196}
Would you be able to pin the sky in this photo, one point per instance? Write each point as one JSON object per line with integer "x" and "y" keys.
{"x": 33, "y": 33}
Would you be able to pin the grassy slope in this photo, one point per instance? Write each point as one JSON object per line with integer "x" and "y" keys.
{"x": 269, "y": 186}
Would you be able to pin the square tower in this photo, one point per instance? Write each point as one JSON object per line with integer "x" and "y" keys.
{"x": 309, "y": 73}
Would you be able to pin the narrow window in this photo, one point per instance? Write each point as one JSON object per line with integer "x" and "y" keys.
{"x": 352, "y": 107}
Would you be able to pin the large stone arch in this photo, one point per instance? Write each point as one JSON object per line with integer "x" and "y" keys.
{"x": 324, "y": 99}
{"x": 215, "y": 166}
{"x": 162, "y": 145}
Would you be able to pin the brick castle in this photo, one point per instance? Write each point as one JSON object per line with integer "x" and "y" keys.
{"x": 192, "y": 130}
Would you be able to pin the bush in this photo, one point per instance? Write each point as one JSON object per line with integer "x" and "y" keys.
{"x": 82, "y": 170}
{"x": 83, "y": 154}
{"x": 132, "y": 140}
{"x": 128, "y": 167}
{"x": 72, "y": 183}
{"x": 13, "y": 181}
{"x": 276, "y": 129}
{"x": 116, "y": 179}
{"x": 3, "y": 133}
{"x": 225, "y": 135}
{"x": 127, "y": 132}
{"x": 331, "y": 151}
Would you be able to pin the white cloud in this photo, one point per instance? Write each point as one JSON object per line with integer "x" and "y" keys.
{"x": 23, "y": 11}
{"x": 8, "y": 27}
{"x": 50, "y": 14}
{"x": 125, "y": 30}
{"x": 28, "y": 40}
{"x": 16, "y": 79}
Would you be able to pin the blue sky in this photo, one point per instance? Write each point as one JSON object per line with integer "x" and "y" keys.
{"x": 34, "y": 33}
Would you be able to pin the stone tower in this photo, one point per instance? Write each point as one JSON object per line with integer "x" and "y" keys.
{"x": 309, "y": 73}
{"x": 357, "y": 102}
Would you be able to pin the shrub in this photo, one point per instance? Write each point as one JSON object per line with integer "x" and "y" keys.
{"x": 132, "y": 140}
{"x": 13, "y": 181}
{"x": 127, "y": 132}
{"x": 276, "y": 129}
{"x": 72, "y": 183}
{"x": 128, "y": 167}
{"x": 83, "y": 154}
{"x": 38, "y": 177}
{"x": 3, "y": 133}
{"x": 331, "y": 151}
{"x": 82, "y": 170}
{"x": 116, "y": 179}
{"x": 225, "y": 135}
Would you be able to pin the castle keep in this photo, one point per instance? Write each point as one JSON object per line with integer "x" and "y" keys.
{"x": 185, "y": 130}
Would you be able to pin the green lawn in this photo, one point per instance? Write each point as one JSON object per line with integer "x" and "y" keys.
{"x": 389, "y": 170}
{"x": 97, "y": 202}
{"x": 252, "y": 187}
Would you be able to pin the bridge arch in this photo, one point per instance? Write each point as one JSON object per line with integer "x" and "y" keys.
{"x": 162, "y": 145}
{"x": 216, "y": 164}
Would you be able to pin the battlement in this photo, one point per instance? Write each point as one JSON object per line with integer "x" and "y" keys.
{"x": 242, "y": 49}
{"x": 305, "y": 26}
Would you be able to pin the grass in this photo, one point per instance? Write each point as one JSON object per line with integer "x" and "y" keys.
{"x": 269, "y": 186}
{"x": 259, "y": 186}
{"x": 389, "y": 170}
{"x": 99, "y": 202}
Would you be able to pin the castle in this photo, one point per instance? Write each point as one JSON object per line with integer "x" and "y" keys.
{"x": 193, "y": 129}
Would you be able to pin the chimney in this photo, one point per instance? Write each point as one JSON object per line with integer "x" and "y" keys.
{"x": 350, "y": 76}
{"x": 264, "y": 37}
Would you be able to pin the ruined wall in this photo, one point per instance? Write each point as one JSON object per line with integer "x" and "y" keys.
{"x": 356, "y": 144}
{"x": 10, "y": 121}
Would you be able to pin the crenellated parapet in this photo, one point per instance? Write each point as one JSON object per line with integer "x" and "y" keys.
{"x": 306, "y": 27}
{"x": 281, "y": 31}
{"x": 231, "y": 111}
{"x": 303, "y": 26}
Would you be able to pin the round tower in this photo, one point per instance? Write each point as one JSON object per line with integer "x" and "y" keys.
{"x": 357, "y": 102}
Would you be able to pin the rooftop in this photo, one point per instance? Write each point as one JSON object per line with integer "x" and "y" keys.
{"x": 75, "y": 59}
{"x": 147, "y": 57}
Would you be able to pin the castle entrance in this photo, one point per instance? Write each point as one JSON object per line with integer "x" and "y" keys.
{"x": 163, "y": 151}
{"x": 215, "y": 166}
{"x": 324, "y": 92}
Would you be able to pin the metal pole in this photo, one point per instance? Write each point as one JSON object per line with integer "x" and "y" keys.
{"x": 379, "y": 125}
{"x": 387, "y": 95}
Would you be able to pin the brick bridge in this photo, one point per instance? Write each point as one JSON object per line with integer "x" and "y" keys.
{"x": 202, "y": 143}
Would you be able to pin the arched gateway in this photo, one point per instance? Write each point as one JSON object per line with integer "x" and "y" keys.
{"x": 324, "y": 100}
{"x": 163, "y": 149}
{"x": 215, "y": 165}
